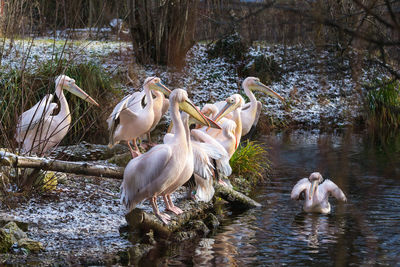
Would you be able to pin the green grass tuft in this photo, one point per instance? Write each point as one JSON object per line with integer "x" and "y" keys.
{"x": 383, "y": 105}
{"x": 251, "y": 161}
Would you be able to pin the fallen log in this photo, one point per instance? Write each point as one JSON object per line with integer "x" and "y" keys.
{"x": 236, "y": 198}
{"x": 16, "y": 161}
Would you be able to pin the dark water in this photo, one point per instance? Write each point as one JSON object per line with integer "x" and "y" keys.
{"x": 365, "y": 231}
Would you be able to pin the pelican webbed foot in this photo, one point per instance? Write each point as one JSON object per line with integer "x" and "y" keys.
{"x": 165, "y": 218}
{"x": 222, "y": 182}
{"x": 169, "y": 205}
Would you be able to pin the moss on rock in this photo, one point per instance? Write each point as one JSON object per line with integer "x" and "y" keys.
{"x": 31, "y": 245}
{"x": 6, "y": 240}
{"x": 14, "y": 230}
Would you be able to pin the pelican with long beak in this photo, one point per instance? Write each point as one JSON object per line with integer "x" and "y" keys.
{"x": 231, "y": 132}
{"x": 317, "y": 192}
{"x": 129, "y": 120}
{"x": 38, "y": 129}
{"x": 251, "y": 111}
{"x": 165, "y": 167}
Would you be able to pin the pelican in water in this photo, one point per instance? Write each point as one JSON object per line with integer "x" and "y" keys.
{"x": 38, "y": 129}
{"x": 317, "y": 192}
{"x": 165, "y": 167}
{"x": 129, "y": 120}
{"x": 251, "y": 111}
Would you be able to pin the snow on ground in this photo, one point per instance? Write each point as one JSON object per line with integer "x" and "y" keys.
{"x": 44, "y": 49}
{"x": 82, "y": 218}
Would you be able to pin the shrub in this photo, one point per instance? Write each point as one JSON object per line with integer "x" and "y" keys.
{"x": 250, "y": 160}
{"x": 263, "y": 67}
{"x": 233, "y": 48}
{"x": 383, "y": 105}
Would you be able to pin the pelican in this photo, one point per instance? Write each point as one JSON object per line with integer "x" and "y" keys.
{"x": 161, "y": 105}
{"x": 204, "y": 149}
{"x": 317, "y": 192}
{"x": 37, "y": 129}
{"x": 251, "y": 111}
{"x": 129, "y": 120}
{"x": 231, "y": 134}
{"x": 165, "y": 167}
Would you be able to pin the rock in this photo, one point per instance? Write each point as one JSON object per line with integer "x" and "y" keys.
{"x": 138, "y": 251}
{"x": 199, "y": 227}
{"x": 31, "y": 245}
{"x": 121, "y": 159}
{"x": 22, "y": 225}
{"x": 6, "y": 240}
{"x": 13, "y": 229}
{"x": 182, "y": 236}
{"x": 123, "y": 257}
{"x": 211, "y": 221}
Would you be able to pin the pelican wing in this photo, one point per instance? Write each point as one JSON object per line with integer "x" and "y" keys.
{"x": 121, "y": 111}
{"x": 202, "y": 164}
{"x": 141, "y": 175}
{"x": 222, "y": 158}
{"x": 259, "y": 108}
{"x": 247, "y": 106}
{"x": 165, "y": 106}
{"x": 329, "y": 187}
{"x": 32, "y": 117}
{"x": 204, "y": 190}
{"x": 301, "y": 185}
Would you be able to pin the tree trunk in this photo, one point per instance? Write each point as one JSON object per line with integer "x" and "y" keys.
{"x": 162, "y": 31}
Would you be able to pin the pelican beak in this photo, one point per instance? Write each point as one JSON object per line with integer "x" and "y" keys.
{"x": 189, "y": 108}
{"x": 193, "y": 111}
{"x": 265, "y": 89}
{"x": 162, "y": 88}
{"x": 76, "y": 90}
{"x": 229, "y": 107}
{"x": 313, "y": 186}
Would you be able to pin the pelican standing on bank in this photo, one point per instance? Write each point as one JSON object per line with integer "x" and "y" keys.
{"x": 317, "y": 192}
{"x": 129, "y": 120}
{"x": 250, "y": 112}
{"x": 165, "y": 167}
{"x": 37, "y": 129}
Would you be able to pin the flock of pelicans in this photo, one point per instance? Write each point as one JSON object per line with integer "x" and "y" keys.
{"x": 198, "y": 143}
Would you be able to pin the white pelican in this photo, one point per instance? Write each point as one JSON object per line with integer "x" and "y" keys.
{"x": 160, "y": 107}
{"x": 251, "y": 111}
{"x": 37, "y": 129}
{"x": 231, "y": 134}
{"x": 204, "y": 149}
{"x": 129, "y": 120}
{"x": 165, "y": 167}
{"x": 317, "y": 192}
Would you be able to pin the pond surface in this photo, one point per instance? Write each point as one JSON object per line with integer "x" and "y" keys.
{"x": 365, "y": 231}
